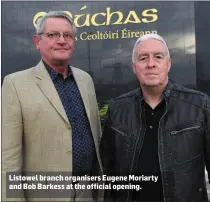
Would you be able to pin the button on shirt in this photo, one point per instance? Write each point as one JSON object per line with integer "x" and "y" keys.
{"x": 83, "y": 149}
{"x": 148, "y": 161}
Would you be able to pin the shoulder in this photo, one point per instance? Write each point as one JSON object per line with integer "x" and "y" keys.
{"x": 76, "y": 71}
{"x": 189, "y": 95}
{"x": 120, "y": 102}
{"x": 125, "y": 98}
{"x": 185, "y": 90}
{"x": 179, "y": 89}
{"x": 19, "y": 76}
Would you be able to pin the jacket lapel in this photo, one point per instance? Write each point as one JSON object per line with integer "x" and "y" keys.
{"x": 83, "y": 89}
{"x": 46, "y": 85}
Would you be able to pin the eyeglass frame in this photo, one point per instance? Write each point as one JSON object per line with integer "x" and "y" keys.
{"x": 58, "y": 36}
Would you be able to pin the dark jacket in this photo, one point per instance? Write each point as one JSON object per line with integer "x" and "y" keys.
{"x": 183, "y": 139}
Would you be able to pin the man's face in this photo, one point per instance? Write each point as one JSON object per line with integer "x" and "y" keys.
{"x": 151, "y": 63}
{"x": 55, "y": 50}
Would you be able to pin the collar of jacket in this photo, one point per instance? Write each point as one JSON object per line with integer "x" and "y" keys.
{"x": 165, "y": 94}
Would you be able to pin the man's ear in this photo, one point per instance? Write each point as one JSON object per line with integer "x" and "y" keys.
{"x": 36, "y": 40}
{"x": 134, "y": 68}
{"x": 169, "y": 64}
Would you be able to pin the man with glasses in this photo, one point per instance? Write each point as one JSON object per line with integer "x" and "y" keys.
{"x": 50, "y": 116}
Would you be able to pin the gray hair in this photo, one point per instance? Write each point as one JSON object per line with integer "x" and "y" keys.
{"x": 148, "y": 36}
{"x": 54, "y": 14}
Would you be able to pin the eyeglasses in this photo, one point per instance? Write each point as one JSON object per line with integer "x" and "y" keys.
{"x": 57, "y": 35}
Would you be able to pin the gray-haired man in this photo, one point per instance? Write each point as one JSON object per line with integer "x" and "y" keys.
{"x": 159, "y": 132}
{"x": 50, "y": 117}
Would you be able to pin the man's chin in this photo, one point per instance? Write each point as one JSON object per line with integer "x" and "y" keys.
{"x": 62, "y": 56}
{"x": 151, "y": 84}
{"x": 66, "y": 58}
{"x": 60, "y": 61}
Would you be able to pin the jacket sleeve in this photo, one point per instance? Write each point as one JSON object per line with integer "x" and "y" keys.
{"x": 12, "y": 130}
{"x": 107, "y": 151}
{"x": 97, "y": 113}
{"x": 207, "y": 137}
{"x": 107, "y": 148}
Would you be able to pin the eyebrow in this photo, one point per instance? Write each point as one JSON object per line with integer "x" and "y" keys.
{"x": 155, "y": 53}
{"x": 59, "y": 31}
{"x": 53, "y": 31}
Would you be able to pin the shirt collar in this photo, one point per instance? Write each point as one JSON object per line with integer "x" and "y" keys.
{"x": 166, "y": 93}
{"x": 161, "y": 105}
{"x": 53, "y": 74}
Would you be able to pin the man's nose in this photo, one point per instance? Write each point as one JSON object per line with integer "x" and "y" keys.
{"x": 151, "y": 62}
{"x": 61, "y": 39}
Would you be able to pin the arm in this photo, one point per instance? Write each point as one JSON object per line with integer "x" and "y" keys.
{"x": 207, "y": 137}
{"x": 93, "y": 102}
{"x": 12, "y": 130}
{"x": 107, "y": 152}
{"x": 97, "y": 170}
{"x": 106, "y": 148}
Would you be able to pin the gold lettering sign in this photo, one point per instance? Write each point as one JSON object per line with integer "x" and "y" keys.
{"x": 107, "y": 35}
{"x": 87, "y": 19}
{"x": 41, "y": 14}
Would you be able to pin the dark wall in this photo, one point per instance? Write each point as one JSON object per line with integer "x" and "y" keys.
{"x": 202, "y": 30}
{"x": 108, "y": 61}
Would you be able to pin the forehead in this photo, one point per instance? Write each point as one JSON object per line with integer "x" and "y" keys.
{"x": 151, "y": 46}
{"x": 54, "y": 23}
